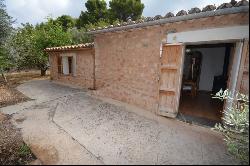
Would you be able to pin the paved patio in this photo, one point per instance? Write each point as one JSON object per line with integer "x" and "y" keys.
{"x": 68, "y": 126}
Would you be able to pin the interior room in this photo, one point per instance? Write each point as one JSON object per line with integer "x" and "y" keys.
{"x": 205, "y": 72}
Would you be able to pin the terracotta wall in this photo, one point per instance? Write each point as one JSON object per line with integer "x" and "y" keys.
{"x": 84, "y": 68}
{"x": 128, "y": 62}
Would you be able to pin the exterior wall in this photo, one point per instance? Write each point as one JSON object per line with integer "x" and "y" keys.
{"x": 127, "y": 67}
{"x": 84, "y": 77}
{"x": 128, "y": 62}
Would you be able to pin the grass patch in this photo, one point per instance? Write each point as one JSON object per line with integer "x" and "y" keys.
{"x": 24, "y": 150}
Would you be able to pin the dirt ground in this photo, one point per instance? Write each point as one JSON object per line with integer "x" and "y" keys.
{"x": 13, "y": 151}
{"x": 17, "y": 78}
{"x": 8, "y": 94}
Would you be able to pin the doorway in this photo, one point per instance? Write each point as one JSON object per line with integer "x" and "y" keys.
{"x": 206, "y": 70}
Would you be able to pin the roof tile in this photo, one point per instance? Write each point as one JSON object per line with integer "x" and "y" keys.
{"x": 158, "y": 17}
{"x": 71, "y": 47}
{"x": 194, "y": 10}
{"x": 242, "y": 3}
{"x": 181, "y": 13}
{"x": 224, "y": 5}
{"x": 169, "y": 14}
{"x": 209, "y": 8}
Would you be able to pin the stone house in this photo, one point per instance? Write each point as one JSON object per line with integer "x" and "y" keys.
{"x": 142, "y": 62}
{"x": 73, "y": 65}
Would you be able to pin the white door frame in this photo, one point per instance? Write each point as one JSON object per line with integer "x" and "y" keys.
{"x": 210, "y": 34}
{"x": 234, "y": 74}
{"x": 233, "y": 34}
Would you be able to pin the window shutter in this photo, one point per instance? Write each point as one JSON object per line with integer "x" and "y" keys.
{"x": 65, "y": 63}
{"x": 59, "y": 62}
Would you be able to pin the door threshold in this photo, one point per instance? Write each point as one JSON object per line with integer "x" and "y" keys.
{"x": 197, "y": 120}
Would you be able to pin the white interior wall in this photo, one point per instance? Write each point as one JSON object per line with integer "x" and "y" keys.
{"x": 212, "y": 65}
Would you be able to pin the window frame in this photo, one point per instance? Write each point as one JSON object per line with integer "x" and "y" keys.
{"x": 71, "y": 57}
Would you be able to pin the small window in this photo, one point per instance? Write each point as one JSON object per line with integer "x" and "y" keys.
{"x": 70, "y": 64}
{"x": 66, "y": 65}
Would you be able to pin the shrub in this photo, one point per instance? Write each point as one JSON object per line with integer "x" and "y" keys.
{"x": 235, "y": 125}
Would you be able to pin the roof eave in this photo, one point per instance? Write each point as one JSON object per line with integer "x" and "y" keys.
{"x": 233, "y": 10}
{"x": 70, "y": 49}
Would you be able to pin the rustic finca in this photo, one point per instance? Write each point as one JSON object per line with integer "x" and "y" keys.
{"x": 152, "y": 62}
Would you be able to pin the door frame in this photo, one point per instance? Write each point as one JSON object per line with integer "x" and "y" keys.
{"x": 236, "y": 66}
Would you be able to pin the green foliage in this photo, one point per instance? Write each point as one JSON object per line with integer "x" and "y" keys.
{"x": 5, "y": 31}
{"x": 30, "y": 41}
{"x": 123, "y": 9}
{"x": 96, "y": 11}
{"x": 80, "y": 36}
{"x": 5, "y": 60}
{"x": 236, "y": 124}
{"x": 100, "y": 23}
{"x": 120, "y": 10}
{"x": 67, "y": 22}
{"x": 5, "y": 23}
{"x": 24, "y": 150}
{"x": 50, "y": 35}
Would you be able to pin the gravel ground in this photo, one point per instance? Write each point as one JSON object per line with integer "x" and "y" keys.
{"x": 13, "y": 151}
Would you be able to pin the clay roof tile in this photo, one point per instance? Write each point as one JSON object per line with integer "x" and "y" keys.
{"x": 224, "y": 5}
{"x": 194, "y": 10}
{"x": 242, "y": 3}
{"x": 86, "y": 45}
{"x": 209, "y": 8}
{"x": 181, "y": 13}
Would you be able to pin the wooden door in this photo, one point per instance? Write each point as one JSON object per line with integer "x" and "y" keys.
{"x": 170, "y": 79}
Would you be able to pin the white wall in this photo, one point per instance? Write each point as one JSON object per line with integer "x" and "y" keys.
{"x": 212, "y": 65}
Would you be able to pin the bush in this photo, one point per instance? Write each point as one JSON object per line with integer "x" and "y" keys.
{"x": 235, "y": 125}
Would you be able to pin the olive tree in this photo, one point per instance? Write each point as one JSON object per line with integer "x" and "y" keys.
{"x": 5, "y": 30}
{"x": 30, "y": 41}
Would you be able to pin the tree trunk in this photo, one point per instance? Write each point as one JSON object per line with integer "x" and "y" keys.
{"x": 43, "y": 72}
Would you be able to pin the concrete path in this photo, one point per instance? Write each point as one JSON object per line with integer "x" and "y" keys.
{"x": 68, "y": 126}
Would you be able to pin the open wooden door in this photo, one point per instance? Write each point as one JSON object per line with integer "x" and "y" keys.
{"x": 170, "y": 79}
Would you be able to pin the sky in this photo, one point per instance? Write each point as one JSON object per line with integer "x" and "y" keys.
{"x": 35, "y": 11}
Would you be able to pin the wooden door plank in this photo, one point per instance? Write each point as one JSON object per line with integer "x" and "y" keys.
{"x": 170, "y": 80}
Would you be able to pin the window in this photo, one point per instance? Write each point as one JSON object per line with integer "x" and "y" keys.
{"x": 70, "y": 64}
{"x": 66, "y": 65}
